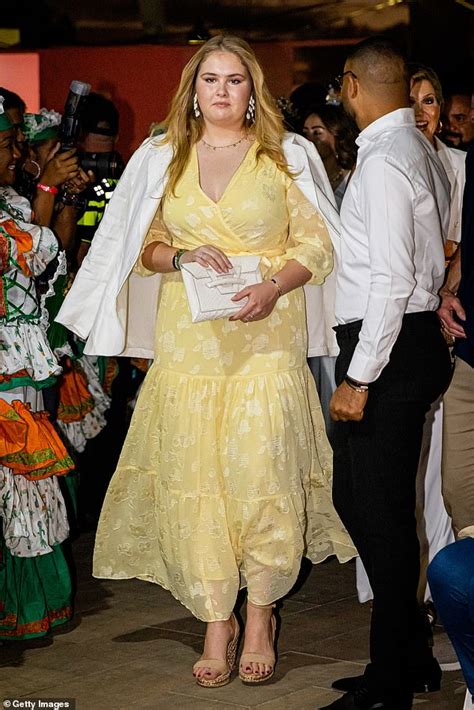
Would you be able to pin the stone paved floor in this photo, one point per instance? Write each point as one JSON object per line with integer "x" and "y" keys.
{"x": 132, "y": 646}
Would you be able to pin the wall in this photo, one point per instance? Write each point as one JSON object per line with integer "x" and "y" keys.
{"x": 20, "y": 72}
{"x": 139, "y": 79}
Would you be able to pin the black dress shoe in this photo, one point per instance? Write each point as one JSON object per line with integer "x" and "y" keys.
{"x": 426, "y": 681}
{"x": 363, "y": 699}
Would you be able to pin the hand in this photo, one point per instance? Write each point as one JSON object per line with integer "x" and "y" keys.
{"x": 450, "y": 305}
{"x": 60, "y": 167}
{"x": 208, "y": 255}
{"x": 79, "y": 183}
{"x": 347, "y": 405}
{"x": 261, "y": 299}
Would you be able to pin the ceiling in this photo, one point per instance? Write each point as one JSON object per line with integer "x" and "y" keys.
{"x": 53, "y": 22}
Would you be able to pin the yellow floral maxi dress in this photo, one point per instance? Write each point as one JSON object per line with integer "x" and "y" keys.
{"x": 225, "y": 476}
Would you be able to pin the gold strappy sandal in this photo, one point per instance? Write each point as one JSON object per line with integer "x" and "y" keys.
{"x": 225, "y": 666}
{"x": 265, "y": 659}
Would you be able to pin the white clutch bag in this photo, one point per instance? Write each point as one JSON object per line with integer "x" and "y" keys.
{"x": 209, "y": 293}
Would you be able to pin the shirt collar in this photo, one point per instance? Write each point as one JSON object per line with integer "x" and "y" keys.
{"x": 401, "y": 117}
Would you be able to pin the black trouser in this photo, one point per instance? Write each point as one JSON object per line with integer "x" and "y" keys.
{"x": 375, "y": 466}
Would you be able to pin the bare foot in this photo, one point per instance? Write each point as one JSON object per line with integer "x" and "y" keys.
{"x": 259, "y": 639}
{"x": 218, "y": 636}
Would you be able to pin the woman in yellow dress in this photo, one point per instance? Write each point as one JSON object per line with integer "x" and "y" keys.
{"x": 224, "y": 478}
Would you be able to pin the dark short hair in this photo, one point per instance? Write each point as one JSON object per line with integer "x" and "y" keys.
{"x": 377, "y": 46}
{"x": 380, "y": 51}
{"x": 99, "y": 116}
{"x": 12, "y": 100}
{"x": 342, "y": 127}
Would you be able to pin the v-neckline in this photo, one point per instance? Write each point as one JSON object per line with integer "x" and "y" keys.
{"x": 234, "y": 176}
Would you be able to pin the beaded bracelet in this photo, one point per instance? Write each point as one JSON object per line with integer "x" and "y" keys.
{"x": 47, "y": 188}
{"x": 176, "y": 259}
{"x": 355, "y": 385}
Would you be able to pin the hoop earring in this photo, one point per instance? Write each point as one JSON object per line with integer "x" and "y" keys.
{"x": 250, "y": 115}
{"x": 37, "y": 166}
{"x": 197, "y": 112}
{"x": 439, "y": 127}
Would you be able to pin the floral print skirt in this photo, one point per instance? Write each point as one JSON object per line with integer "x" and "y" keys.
{"x": 225, "y": 476}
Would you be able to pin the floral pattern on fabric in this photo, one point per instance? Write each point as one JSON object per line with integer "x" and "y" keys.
{"x": 33, "y": 512}
{"x": 95, "y": 405}
{"x": 225, "y": 475}
{"x": 23, "y": 344}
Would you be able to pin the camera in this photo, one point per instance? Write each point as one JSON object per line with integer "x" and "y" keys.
{"x": 103, "y": 165}
{"x": 70, "y": 128}
{"x": 83, "y": 114}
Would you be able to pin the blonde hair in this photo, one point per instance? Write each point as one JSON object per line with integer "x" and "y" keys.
{"x": 420, "y": 72}
{"x": 183, "y": 129}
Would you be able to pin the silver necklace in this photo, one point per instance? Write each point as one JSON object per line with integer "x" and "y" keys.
{"x": 221, "y": 147}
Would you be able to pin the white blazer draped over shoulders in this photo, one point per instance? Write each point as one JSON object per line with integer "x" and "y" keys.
{"x": 113, "y": 308}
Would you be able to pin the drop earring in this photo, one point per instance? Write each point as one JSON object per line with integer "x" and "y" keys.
{"x": 250, "y": 115}
{"x": 197, "y": 112}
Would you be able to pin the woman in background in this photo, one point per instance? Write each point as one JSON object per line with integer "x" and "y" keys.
{"x": 333, "y": 133}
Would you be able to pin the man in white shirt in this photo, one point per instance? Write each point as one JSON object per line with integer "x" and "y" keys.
{"x": 393, "y": 361}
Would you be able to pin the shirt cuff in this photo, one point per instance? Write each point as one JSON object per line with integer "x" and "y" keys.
{"x": 364, "y": 369}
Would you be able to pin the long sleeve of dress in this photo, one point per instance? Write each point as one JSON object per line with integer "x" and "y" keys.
{"x": 157, "y": 233}
{"x": 308, "y": 239}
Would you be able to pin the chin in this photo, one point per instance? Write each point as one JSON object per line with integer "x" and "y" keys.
{"x": 7, "y": 180}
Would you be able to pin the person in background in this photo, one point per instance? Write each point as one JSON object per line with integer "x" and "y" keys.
{"x": 333, "y": 133}
{"x": 451, "y": 573}
{"x": 458, "y": 119}
{"x": 100, "y": 127}
{"x": 55, "y": 179}
{"x": 35, "y": 581}
{"x": 15, "y": 107}
{"x": 393, "y": 361}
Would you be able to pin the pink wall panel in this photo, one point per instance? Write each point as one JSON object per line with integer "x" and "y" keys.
{"x": 20, "y": 72}
{"x": 140, "y": 80}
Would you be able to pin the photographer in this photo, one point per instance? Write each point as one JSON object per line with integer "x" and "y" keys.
{"x": 100, "y": 124}
{"x": 56, "y": 179}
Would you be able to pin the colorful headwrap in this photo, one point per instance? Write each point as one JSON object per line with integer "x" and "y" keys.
{"x": 41, "y": 126}
{"x": 5, "y": 123}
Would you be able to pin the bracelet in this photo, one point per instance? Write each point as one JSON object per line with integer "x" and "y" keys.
{"x": 47, "y": 188}
{"x": 177, "y": 258}
{"x": 356, "y": 386}
{"x": 280, "y": 292}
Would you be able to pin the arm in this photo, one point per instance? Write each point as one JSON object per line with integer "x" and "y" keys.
{"x": 158, "y": 253}
{"x": 450, "y": 303}
{"x": 308, "y": 258}
{"x": 59, "y": 168}
{"x": 386, "y": 204}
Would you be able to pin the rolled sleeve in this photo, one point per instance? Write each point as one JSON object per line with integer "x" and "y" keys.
{"x": 387, "y": 207}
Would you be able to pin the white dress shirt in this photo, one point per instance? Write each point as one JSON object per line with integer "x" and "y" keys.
{"x": 454, "y": 162}
{"x": 394, "y": 219}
